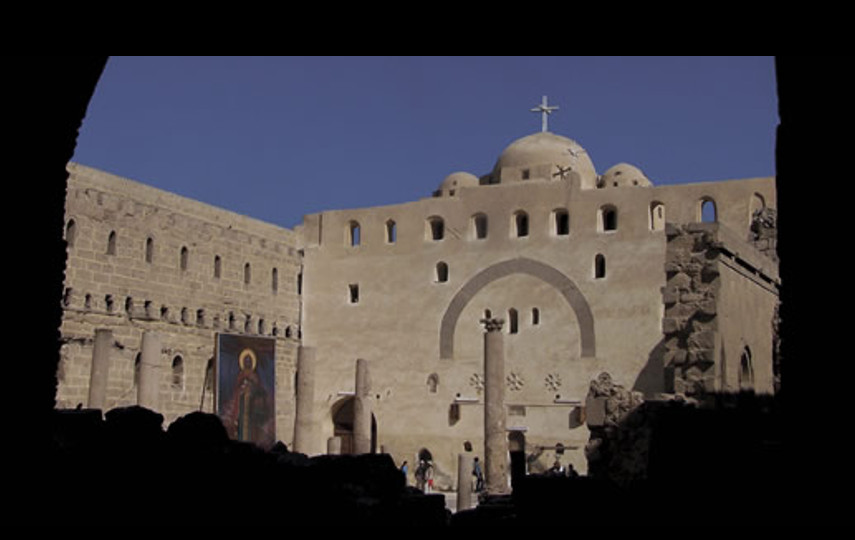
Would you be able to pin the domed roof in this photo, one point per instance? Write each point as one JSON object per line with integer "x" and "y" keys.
{"x": 624, "y": 174}
{"x": 548, "y": 148}
{"x": 456, "y": 181}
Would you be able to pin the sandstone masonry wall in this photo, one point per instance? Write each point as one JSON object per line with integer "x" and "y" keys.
{"x": 140, "y": 259}
{"x": 710, "y": 272}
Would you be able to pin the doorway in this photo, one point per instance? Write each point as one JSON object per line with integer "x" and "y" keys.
{"x": 342, "y": 417}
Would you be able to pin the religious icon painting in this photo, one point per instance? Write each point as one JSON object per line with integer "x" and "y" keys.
{"x": 245, "y": 388}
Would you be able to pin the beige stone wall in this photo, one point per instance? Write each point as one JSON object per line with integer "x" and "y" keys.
{"x": 417, "y": 326}
{"x": 182, "y": 300}
{"x": 398, "y": 320}
{"x": 749, "y": 295}
{"x": 720, "y": 301}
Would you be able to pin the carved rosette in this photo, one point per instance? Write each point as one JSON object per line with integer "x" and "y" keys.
{"x": 552, "y": 382}
{"x": 515, "y": 382}
{"x": 476, "y": 381}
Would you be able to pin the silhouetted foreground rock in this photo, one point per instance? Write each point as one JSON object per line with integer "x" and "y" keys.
{"x": 125, "y": 470}
{"x": 719, "y": 466}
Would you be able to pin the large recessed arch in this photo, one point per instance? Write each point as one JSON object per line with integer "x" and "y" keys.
{"x": 544, "y": 272}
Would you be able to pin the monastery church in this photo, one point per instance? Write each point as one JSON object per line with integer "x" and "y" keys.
{"x": 671, "y": 290}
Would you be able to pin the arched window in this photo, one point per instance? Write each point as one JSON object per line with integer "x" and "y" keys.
{"x": 520, "y": 224}
{"x": 70, "y": 233}
{"x": 561, "y": 222}
{"x": 513, "y": 321}
{"x": 262, "y": 327}
{"x": 608, "y": 219}
{"x": 435, "y": 228}
{"x": 232, "y": 320}
{"x": 178, "y": 373}
{"x": 274, "y": 280}
{"x": 746, "y": 370}
{"x": 200, "y": 317}
{"x": 111, "y": 243}
{"x": 247, "y": 274}
{"x": 535, "y": 316}
{"x": 599, "y": 266}
{"x": 479, "y": 226}
{"x": 218, "y": 267}
{"x": 391, "y": 232}
{"x": 707, "y": 211}
{"x": 185, "y": 256}
{"x": 441, "y": 272}
{"x": 657, "y": 216}
{"x": 129, "y": 305}
{"x": 757, "y": 204}
{"x": 185, "y": 316}
{"x": 247, "y": 325}
{"x": 354, "y": 234}
{"x": 149, "y": 249}
{"x": 488, "y": 314}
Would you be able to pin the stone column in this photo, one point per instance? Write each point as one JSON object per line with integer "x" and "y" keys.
{"x": 362, "y": 410}
{"x": 334, "y": 446}
{"x": 464, "y": 482}
{"x": 100, "y": 368}
{"x": 148, "y": 391}
{"x": 303, "y": 424}
{"x": 495, "y": 438}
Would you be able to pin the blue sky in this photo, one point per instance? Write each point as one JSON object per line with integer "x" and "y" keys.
{"x": 276, "y": 138}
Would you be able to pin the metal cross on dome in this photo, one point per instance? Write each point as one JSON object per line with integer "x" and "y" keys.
{"x": 545, "y": 110}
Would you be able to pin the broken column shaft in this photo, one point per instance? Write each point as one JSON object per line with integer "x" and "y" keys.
{"x": 495, "y": 438}
{"x": 100, "y": 368}
{"x": 362, "y": 410}
{"x": 303, "y": 424}
{"x": 148, "y": 391}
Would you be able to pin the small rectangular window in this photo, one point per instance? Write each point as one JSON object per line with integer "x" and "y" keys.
{"x": 562, "y": 223}
{"x": 353, "y": 290}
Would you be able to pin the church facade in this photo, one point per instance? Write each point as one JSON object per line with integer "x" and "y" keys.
{"x": 672, "y": 290}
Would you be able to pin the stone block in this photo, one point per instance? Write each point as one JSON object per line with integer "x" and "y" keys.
{"x": 691, "y": 297}
{"x": 704, "y": 357}
{"x": 708, "y": 307}
{"x": 670, "y": 325}
{"x": 672, "y": 267}
{"x": 681, "y": 311}
{"x": 680, "y": 281}
{"x": 595, "y": 411}
{"x": 676, "y": 357}
{"x": 669, "y": 296}
{"x": 703, "y": 340}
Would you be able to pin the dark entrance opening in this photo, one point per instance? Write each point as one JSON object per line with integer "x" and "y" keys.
{"x": 342, "y": 417}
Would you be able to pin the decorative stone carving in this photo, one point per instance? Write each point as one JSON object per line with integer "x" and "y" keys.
{"x": 515, "y": 382}
{"x": 552, "y": 382}
{"x": 476, "y": 381}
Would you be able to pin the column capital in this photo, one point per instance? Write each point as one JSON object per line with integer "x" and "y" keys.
{"x": 492, "y": 324}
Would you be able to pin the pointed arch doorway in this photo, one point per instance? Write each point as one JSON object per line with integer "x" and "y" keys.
{"x": 342, "y": 418}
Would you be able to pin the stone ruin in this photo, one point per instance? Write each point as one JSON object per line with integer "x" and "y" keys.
{"x": 690, "y": 324}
